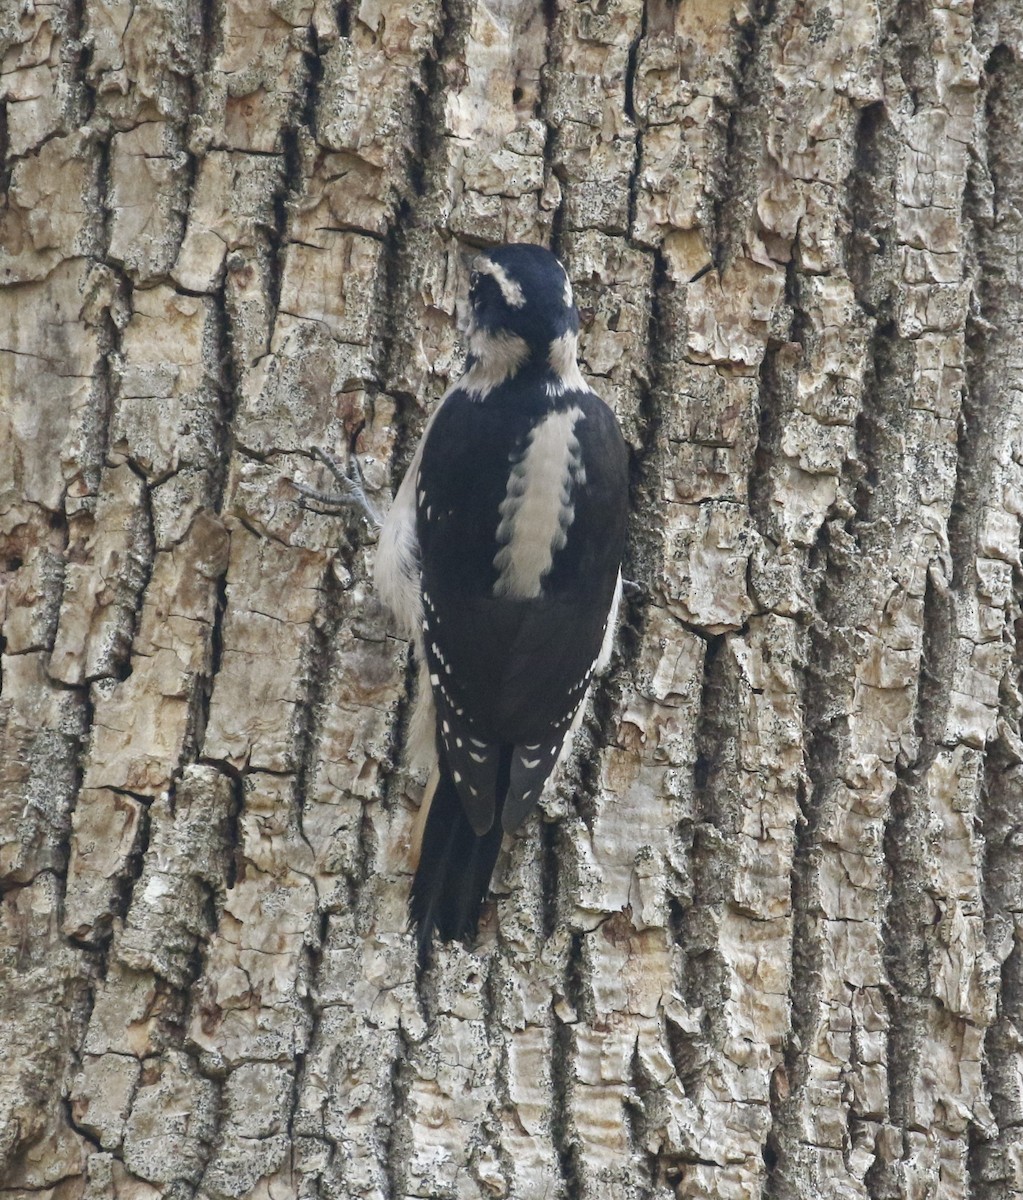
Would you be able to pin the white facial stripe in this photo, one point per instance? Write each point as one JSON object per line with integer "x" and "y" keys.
{"x": 498, "y": 357}
{"x": 569, "y": 301}
{"x": 537, "y": 510}
{"x": 562, "y": 357}
{"x": 510, "y": 290}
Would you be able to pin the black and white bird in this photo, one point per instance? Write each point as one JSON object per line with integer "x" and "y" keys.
{"x": 501, "y": 558}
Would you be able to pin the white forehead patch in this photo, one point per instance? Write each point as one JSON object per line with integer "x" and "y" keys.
{"x": 510, "y": 290}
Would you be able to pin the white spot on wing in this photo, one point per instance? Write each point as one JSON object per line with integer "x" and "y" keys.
{"x": 537, "y": 511}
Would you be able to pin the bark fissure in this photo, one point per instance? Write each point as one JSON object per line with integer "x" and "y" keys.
{"x": 564, "y": 1134}
{"x": 764, "y": 938}
{"x": 732, "y": 186}
{"x": 995, "y": 1143}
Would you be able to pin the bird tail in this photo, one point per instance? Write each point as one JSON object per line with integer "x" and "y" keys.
{"x": 455, "y": 866}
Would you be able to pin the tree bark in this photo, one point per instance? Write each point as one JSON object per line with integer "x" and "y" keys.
{"x": 764, "y": 937}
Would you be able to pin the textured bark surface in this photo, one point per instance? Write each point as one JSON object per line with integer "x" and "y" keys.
{"x": 765, "y": 939}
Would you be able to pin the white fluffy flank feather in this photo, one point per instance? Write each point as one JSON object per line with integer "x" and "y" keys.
{"x": 396, "y": 574}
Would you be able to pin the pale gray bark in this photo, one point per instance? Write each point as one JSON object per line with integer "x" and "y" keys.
{"x": 764, "y": 939}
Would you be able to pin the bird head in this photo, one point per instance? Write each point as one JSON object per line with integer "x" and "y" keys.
{"x": 520, "y": 302}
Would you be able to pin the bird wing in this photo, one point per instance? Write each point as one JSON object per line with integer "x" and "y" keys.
{"x": 531, "y": 765}
{"x": 508, "y": 671}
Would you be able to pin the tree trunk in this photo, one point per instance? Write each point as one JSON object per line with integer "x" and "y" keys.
{"x": 764, "y": 938}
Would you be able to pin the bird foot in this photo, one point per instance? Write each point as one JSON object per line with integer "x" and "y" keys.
{"x": 351, "y": 493}
{"x": 635, "y": 591}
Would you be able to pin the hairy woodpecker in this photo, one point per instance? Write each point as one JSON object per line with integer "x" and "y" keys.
{"x": 501, "y": 559}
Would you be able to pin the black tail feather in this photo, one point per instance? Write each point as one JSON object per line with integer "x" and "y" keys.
{"x": 455, "y": 867}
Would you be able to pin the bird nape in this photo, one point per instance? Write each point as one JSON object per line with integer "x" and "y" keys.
{"x": 501, "y": 559}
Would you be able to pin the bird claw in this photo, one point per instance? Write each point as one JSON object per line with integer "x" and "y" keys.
{"x": 352, "y": 491}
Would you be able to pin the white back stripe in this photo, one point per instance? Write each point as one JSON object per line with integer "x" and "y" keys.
{"x": 537, "y": 509}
